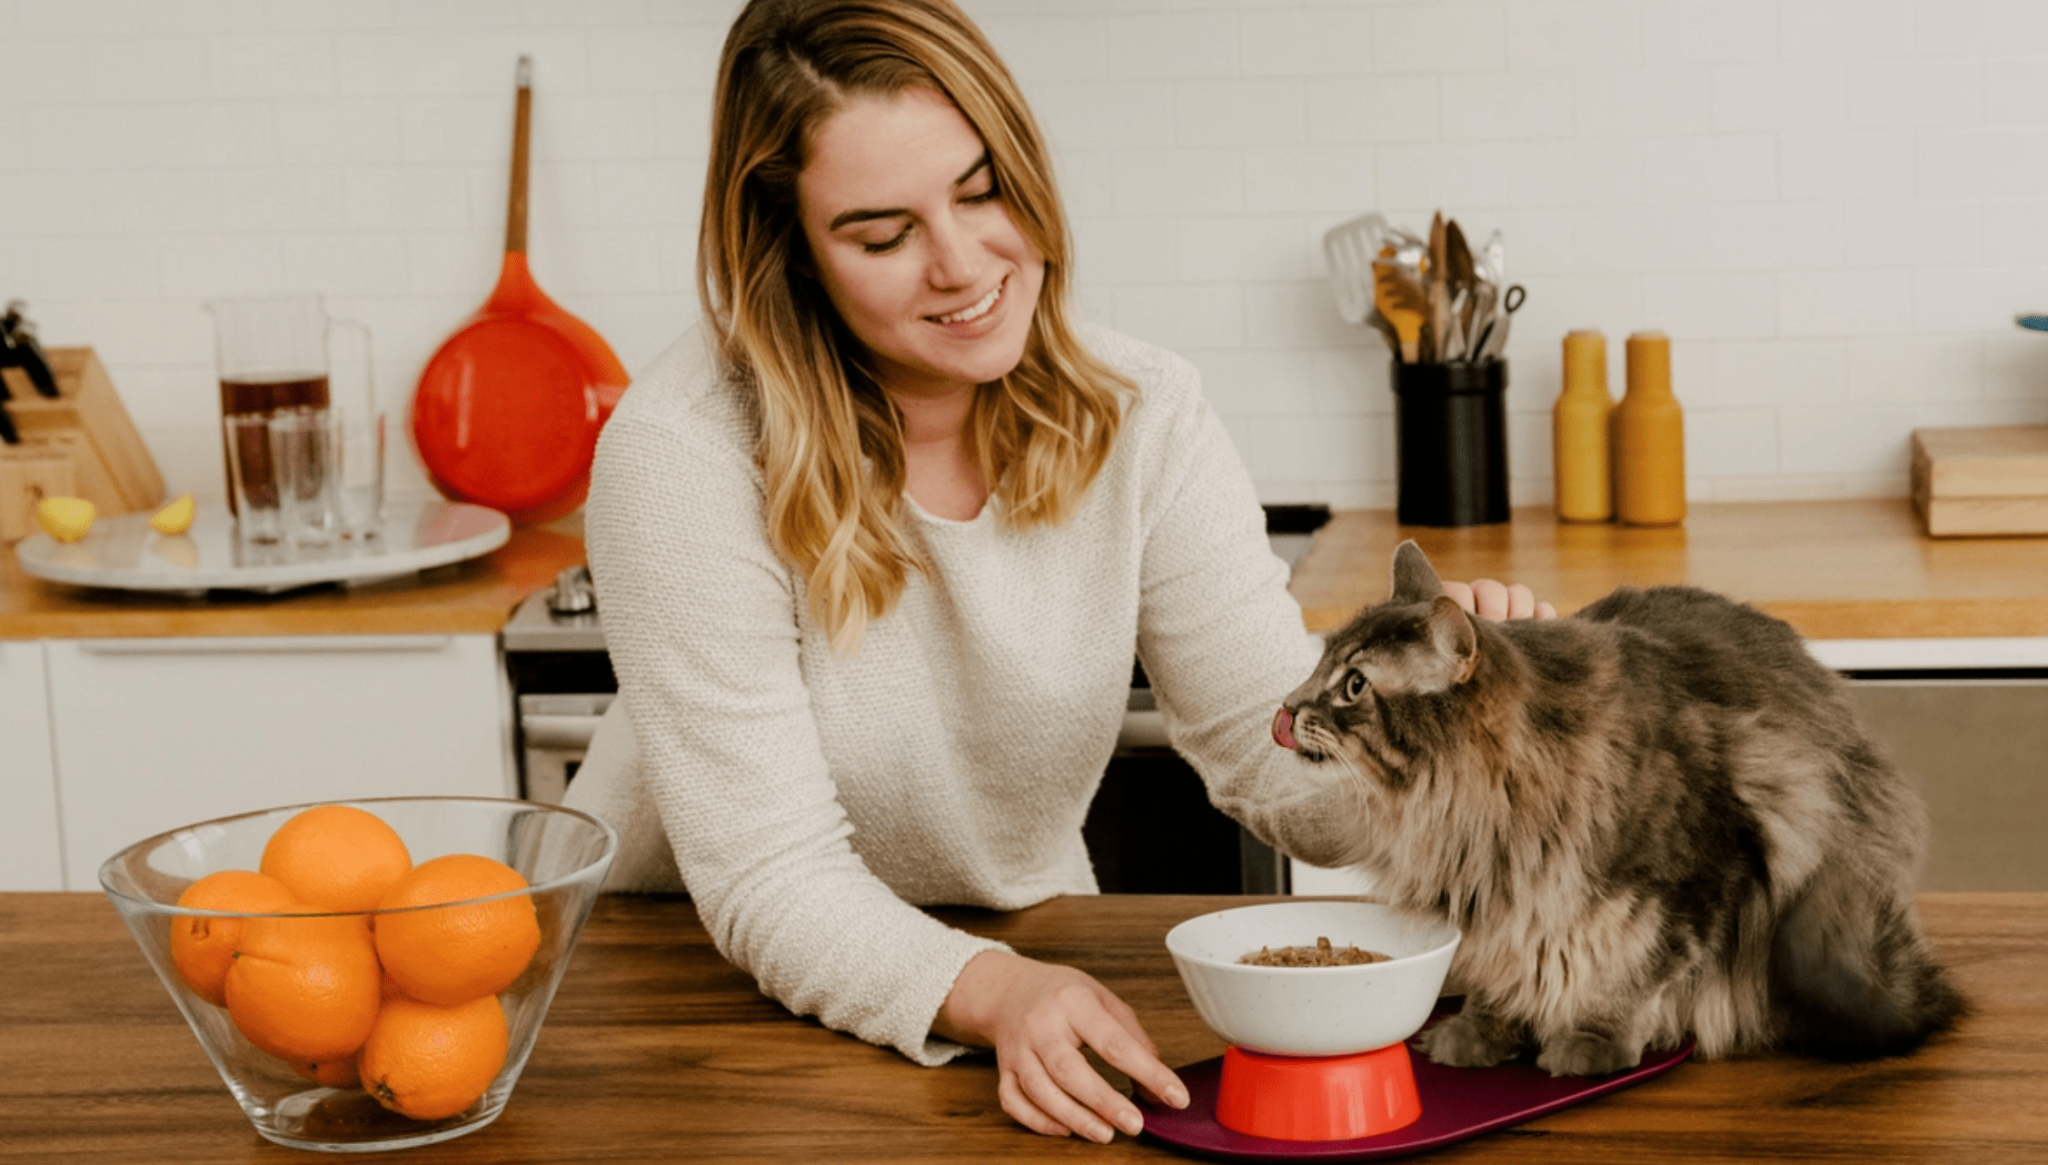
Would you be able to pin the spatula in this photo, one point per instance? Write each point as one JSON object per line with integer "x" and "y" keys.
{"x": 1350, "y": 247}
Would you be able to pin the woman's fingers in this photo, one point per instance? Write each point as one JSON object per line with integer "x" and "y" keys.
{"x": 1123, "y": 1045}
{"x": 1010, "y": 1093}
{"x": 1492, "y": 600}
{"x": 1460, "y": 594}
{"x": 1059, "y": 1083}
{"x": 1038, "y": 1017}
{"x": 1063, "y": 1094}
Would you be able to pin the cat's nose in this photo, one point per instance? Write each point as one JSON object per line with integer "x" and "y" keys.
{"x": 1283, "y": 730}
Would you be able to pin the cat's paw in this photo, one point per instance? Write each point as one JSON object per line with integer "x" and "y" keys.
{"x": 1587, "y": 1054}
{"x": 1460, "y": 1042}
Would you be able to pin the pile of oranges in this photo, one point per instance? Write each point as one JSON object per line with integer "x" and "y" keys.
{"x": 403, "y": 1005}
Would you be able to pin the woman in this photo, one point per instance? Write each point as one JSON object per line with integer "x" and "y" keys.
{"x": 877, "y": 544}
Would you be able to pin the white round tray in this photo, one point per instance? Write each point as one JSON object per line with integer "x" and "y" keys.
{"x": 123, "y": 553}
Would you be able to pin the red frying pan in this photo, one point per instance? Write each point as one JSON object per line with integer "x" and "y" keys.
{"x": 507, "y": 412}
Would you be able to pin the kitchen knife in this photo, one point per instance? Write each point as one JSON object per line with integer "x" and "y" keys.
{"x": 19, "y": 336}
{"x": 8, "y": 434}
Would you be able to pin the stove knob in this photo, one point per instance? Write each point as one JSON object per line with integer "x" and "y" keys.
{"x": 573, "y": 594}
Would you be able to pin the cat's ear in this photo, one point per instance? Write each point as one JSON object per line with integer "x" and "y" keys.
{"x": 1415, "y": 580}
{"x": 1457, "y": 644}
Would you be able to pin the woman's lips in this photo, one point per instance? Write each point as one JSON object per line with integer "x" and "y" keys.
{"x": 976, "y": 310}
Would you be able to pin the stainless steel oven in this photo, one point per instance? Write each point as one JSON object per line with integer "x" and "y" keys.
{"x": 561, "y": 679}
{"x": 1150, "y": 830}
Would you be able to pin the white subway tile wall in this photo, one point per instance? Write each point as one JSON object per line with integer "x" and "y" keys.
{"x": 1834, "y": 207}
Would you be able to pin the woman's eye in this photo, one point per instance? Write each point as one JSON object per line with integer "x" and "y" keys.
{"x": 886, "y": 246}
{"x": 990, "y": 195}
{"x": 1354, "y": 685}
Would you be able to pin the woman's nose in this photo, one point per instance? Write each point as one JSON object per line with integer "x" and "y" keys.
{"x": 955, "y": 255}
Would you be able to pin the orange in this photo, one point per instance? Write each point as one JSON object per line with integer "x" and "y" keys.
{"x": 457, "y": 953}
{"x": 332, "y": 1073}
{"x": 336, "y": 857}
{"x": 202, "y": 948}
{"x": 427, "y": 1061}
{"x": 305, "y": 988}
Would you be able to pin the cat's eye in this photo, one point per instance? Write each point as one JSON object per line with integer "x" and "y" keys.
{"x": 1354, "y": 684}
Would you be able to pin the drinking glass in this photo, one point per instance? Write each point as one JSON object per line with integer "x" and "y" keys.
{"x": 252, "y": 477}
{"x": 358, "y": 470}
{"x": 301, "y": 451}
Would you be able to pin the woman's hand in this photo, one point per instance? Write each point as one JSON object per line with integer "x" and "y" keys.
{"x": 1490, "y": 600}
{"x": 1037, "y": 1016}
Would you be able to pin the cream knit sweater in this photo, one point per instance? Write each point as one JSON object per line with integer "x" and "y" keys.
{"x": 810, "y": 802}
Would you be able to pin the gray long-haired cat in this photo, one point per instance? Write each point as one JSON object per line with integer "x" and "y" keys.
{"x": 1654, "y": 818}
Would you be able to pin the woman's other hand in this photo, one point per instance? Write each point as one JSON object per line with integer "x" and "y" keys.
{"x": 1490, "y": 600}
{"x": 1037, "y": 1016}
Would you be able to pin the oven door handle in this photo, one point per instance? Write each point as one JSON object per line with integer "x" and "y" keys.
{"x": 561, "y": 722}
{"x": 573, "y": 732}
{"x": 1144, "y": 729}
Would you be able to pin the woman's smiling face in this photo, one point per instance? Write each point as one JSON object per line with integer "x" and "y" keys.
{"x": 913, "y": 243}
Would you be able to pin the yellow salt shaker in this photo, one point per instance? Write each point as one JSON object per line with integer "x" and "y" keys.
{"x": 1649, "y": 438}
{"x": 1579, "y": 432}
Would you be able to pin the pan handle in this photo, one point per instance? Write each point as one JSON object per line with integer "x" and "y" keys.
{"x": 522, "y": 123}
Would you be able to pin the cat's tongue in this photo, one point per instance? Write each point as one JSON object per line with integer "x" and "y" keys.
{"x": 1283, "y": 730}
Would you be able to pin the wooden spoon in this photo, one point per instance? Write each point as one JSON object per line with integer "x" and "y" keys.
{"x": 1402, "y": 304}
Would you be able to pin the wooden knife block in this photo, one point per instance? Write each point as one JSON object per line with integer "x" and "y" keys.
{"x": 80, "y": 443}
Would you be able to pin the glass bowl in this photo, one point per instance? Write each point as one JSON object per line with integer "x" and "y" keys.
{"x": 562, "y": 854}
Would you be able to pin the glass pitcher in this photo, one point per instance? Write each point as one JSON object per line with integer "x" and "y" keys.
{"x": 277, "y": 357}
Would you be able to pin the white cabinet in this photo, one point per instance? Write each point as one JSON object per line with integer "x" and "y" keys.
{"x": 30, "y": 855}
{"x": 151, "y": 734}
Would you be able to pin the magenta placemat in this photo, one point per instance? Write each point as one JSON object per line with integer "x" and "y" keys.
{"x": 1457, "y": 1104}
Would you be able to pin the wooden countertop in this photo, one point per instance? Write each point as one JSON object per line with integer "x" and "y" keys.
{"x": 656, "y": 1049}
{"x": 1835, "y": 570}
{"x": 473, "y": 596}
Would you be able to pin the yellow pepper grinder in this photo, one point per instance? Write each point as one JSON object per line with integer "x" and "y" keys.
{"x": 1579, "y": 432}
{"x": 1649, "y": 438}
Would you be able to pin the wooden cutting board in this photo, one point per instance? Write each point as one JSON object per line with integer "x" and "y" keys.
{"x": 1981, "y": 481}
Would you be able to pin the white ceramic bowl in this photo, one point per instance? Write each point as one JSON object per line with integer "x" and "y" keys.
{"x": 1312, "y": 1011}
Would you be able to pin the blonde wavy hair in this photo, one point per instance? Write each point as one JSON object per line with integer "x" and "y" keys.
{"x": 831, "y": 446}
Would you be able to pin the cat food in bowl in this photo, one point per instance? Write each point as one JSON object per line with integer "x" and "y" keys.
{"x": 370, "y": 974}
{"x": 1323, "y": 954}
{"x": 1312, "y": 1010}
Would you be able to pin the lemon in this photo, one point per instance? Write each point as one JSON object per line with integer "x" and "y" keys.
{"x": 67, "y": 519}
{"x": 175, "y": 518}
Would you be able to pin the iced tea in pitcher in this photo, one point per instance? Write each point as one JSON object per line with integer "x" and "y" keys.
{"x": 273, "y": 353}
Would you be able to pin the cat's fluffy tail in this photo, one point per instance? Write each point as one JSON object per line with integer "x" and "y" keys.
{"x": 1851, "y": 974}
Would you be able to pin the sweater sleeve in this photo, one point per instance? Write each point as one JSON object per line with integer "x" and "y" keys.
{"x": 701, "y": 617}
{"x": 1222, "y": 639}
